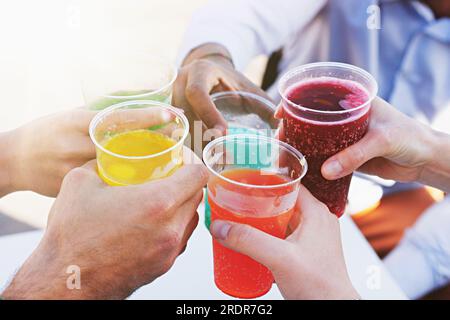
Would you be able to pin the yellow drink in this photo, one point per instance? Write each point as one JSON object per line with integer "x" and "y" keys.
{"x": 119, "y": 171}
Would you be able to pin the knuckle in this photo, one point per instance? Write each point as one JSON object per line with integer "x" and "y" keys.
{"x": 169, "y": 241}
{"x": 239, "y": 235}
{"x": 168, "y": 203}
{"x": 159, "y": 204}
{"x": 65, "y": 168}
{"x": 76, "y": 176}
{"x": 166, "y": 265}
{"x": 358, "y": 155}
{"x": 193, "y": 90}
{"x": 202, "y": 64}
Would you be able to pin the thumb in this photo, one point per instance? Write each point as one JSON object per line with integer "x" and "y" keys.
{"x": 350, "y": 159}
{"x": 258, "y": 245}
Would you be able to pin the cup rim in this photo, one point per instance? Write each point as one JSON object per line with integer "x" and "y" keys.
{"x": 301, "y": 158}
{"x": 172, "y": 67}
{"x": 216, "y": 96}
{"x": 316, "y": 65}
{"x": 97, "y": 118}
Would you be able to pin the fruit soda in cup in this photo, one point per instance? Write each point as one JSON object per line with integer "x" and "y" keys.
{"x": 255, "y": 181}
{"x": 325, "y": 109}
{"x": 245, "y": 113}
{"x": 138, "y": 141}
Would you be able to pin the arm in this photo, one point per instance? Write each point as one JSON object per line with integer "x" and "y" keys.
{"x": 421, "y": 262}
{"x": 116, "y": 253}
{"x": 436, "y": 172}
{"x": 304, "y": 265}
{"x": 396, "y": 147}
{"x": 39, "y": 154}
{"x": 247, "y": 28}
{"x": 225, "y": 34}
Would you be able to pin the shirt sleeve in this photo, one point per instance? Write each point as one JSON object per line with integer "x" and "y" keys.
{"x": 248, "y": 27}
{"x": 421, "y": 262}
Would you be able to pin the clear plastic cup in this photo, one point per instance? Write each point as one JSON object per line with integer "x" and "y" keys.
{"x": 245, "y": 113}
{"x": 138, "y": 141}
{"x": 326, "y": 109}
{"x": 254, "y": 180}
{"x": 120, "y": 77}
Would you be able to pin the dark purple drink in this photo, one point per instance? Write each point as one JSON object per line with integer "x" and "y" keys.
{"x": 322, "y": 116}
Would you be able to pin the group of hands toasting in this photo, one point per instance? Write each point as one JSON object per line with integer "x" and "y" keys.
{"x": 125, "y": 237}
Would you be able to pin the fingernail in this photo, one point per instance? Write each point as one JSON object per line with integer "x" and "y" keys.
{"x": 220, "y": 130}
{"x": 333, "y": 168}
{"x": 220, "y": 229}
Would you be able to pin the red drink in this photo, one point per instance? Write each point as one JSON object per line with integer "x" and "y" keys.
{"x": 234, "y": 273}
{"x": 320, "y": 140}
{"x": 325, "y": 110}
{"x": 254, "y": 180}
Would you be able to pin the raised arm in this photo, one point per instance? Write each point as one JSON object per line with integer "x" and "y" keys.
{"x": 247, "y": 28}
{"x": 39, "y": 154}
{"x": 220, "y": 41}
{"x": 396, "y": 147}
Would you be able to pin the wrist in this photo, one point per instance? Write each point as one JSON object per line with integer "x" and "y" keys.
{"x": 212, "y": 52}
{"x": 53, "y": 273}
{"x": 436, "y": 171}
{"x": 340, "y": 291}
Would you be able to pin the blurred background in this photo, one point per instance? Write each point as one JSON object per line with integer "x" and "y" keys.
{"x": 43, "y": 44}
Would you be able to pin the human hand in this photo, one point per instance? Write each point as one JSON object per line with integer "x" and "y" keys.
{"x": 45, "y": 150}
{"x": 309, "y": 264}
{"x": 207, "y": 69}
{"x": 395, "y": 147}
{"x": 120, "y": 237}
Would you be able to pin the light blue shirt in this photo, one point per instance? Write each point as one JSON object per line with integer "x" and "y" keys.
{"x": 409, "y": 56}
{"x": 413, "y": 56}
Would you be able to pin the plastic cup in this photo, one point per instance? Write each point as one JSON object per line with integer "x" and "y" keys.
{"x": 261, "y": 197}
{"x": 120, "y": 77}
{"x": 138, "y": 141}
{"x": 333, "y": 113}
{"x": 245, "y": 113}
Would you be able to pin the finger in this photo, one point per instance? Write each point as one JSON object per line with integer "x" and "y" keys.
{"x": 279, "y": 133}
{"x": 308, "y": 205}
{"x": 312, "y": 213}
{"x": 179, "y": 187}
{"x": 350, "y": 159}
{"x": 186, "y": 211}
{"x": 82, "y": 118}
{"x": 249, "y": 86}
{"x": 279, "y": 112}
{"x": 91, "y": 166}
{"x": 86, "y": 149}
{"x": 260, "y": 246}
{"x": 87, "y": 172}
{"x": 199, "y": 85}
{"x": 186, "y": 218}
{"x": 188, "y": 233}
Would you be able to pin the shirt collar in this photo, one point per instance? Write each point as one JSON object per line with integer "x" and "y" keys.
{"x": 437, "y": 28}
